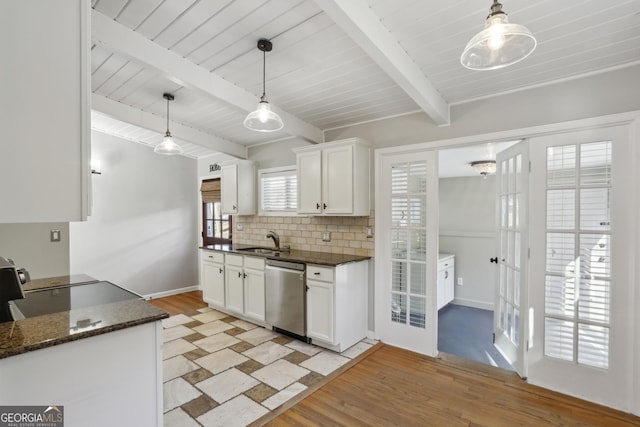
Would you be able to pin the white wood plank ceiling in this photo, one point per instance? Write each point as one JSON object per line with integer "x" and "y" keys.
{"x": 334, "y": 62}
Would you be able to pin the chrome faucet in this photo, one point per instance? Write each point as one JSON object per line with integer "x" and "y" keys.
{"x": 275, "y": 237}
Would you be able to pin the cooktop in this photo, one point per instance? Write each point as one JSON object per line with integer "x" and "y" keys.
{"x": 65, "y": 298}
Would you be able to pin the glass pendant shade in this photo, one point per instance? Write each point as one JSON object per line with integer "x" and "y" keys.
{"x": 168, "y": 146}
{"x": 263, "y": 119}
{"x": 499, "y": 45}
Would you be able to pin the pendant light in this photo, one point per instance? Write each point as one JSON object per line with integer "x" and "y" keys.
{"x": 499, "y": 45}
{"x": 263, "y": 119}
{"x": 168, "y": 146}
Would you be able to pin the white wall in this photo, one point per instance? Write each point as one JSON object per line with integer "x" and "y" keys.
{"x": 609, "y": 93}
{"x": 30, "y": 247}
{"x": 277, "y": 154}
{"x": 467, "y": 229}
{"x": 143, "y": 231}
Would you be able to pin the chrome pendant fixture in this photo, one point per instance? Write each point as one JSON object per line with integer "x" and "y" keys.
{"x": 263, "y": 119}
{"x": 499, "y": 45}
{"x": 168, "y": 146}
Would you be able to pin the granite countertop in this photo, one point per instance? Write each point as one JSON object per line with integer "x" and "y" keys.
{"x": 50, "y": 282}
{"x": 307, "y": 257}
{"x": 34, "y": 333}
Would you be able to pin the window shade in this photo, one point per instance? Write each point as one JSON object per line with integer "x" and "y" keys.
{"x": 210, "y": 190}
{"x": 278, "y": 191}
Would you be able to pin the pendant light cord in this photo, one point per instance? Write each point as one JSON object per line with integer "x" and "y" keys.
{"x": 264, "y": 72}
{"x": 168, "y": 100}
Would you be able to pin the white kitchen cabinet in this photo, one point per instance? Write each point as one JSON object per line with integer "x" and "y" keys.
{"x": 334, "y": 177}
{"x": 337, "y": 304}
{"x": 234, "y": 283}
{"x": 254, "y": 289}
{"x": 446, "y": 274}
{"x": 45, "y": 110}
{"x": 213, "y": 278}
{"x": 238, "y": 188}
{"x": 244, "y": 285}
{"x": 320, "y": 310}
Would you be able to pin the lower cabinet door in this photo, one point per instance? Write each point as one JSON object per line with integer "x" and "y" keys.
{"x": 234, "y": 286}
{"x": 213, "y": 283}
{"x": 320, "y": 311}
{"x": 254, "y": 292}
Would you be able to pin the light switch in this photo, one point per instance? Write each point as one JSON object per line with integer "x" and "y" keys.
{"x": 55, "y": 235}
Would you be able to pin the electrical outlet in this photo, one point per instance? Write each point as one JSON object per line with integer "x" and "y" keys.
{"x": 55, "y": 235}
{"x": 460, "y": 281}
{"x": 326, "y": 236}
{"x": 369, "y": 232}
{"x": 240, "y": 227}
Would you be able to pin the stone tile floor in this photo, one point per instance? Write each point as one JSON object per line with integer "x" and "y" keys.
{"x": 222, "y": 371}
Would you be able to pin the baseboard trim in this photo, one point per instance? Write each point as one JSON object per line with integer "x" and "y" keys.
{"x": 171, "y": 292}
{"x": 473, "y": 303}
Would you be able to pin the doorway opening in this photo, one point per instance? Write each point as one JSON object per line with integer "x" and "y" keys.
{"x": 467, "y": 243}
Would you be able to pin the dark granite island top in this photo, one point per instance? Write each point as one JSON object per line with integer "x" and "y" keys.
{"x": 307, "y": 257}
{"x": 88, "y": 320}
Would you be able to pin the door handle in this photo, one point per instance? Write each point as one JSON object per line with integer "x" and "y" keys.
{"x": 495, "y": 260}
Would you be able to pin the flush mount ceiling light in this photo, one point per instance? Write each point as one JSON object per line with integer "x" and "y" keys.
{"x": 484, "y": 167}
{"x": 263, "y": 119}
{"x": 168, "y": 146}
{"x": 500, "y": 44}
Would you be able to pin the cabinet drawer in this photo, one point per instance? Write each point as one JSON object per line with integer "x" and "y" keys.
{"x": 234, "y": 260}
{"x": 254, "y": 263}
{"x": 210, "y": 256}
{"x": 324, "y": 274}
{"x": 446, "y": 263}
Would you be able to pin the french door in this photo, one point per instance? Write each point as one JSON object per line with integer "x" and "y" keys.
{"x": 580, "y": 290}
{"x": 406, "y": 241}
{"x": 511, "y": 299}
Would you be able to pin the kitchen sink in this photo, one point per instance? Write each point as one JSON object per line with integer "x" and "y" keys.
{"x": 263, "y": 251}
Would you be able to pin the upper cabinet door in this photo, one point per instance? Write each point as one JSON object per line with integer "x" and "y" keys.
{"x": 229, "y": 188}
{"x": 334, "y": 178}
{"x": 310, "y": 182}
{"x": 44, "y": 115}
{"x": 338, "y": 180}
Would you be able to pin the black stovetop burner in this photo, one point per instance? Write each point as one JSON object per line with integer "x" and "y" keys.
{"x": 66, "y": 298}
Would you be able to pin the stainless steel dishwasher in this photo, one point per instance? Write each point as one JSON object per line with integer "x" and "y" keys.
{"x": 286, "y": 297}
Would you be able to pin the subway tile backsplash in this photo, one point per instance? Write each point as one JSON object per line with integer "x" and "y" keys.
{"x": 348, "y": 234}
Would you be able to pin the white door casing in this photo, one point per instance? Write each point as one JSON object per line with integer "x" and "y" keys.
{"x": 582, "y": 265}
{"x": 511, "y": 331}
{"x": 406, "y": 250}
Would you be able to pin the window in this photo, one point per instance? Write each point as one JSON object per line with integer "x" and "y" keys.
{"x": 216, "y": 227}
{"x": 278, "y": 191}
{"x": 578, "y": 279}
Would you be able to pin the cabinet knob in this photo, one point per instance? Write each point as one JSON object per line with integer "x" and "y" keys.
{"x": 239, "y": 274}
{"x": 324, "y": 206}
{"x": 220, "y": 270}
{"x": 446, "y": 274}
{"x": 244, "y": 276}
{"x": 318, "y": 206}
{"x": 317, "y": 273}
{"x": 233, "y": 208}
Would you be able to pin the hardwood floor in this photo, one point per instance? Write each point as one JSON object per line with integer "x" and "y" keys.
{"x": 186, "y": 303}
{"x": 397, "y": 387}
{"x": 391, "y": 386}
